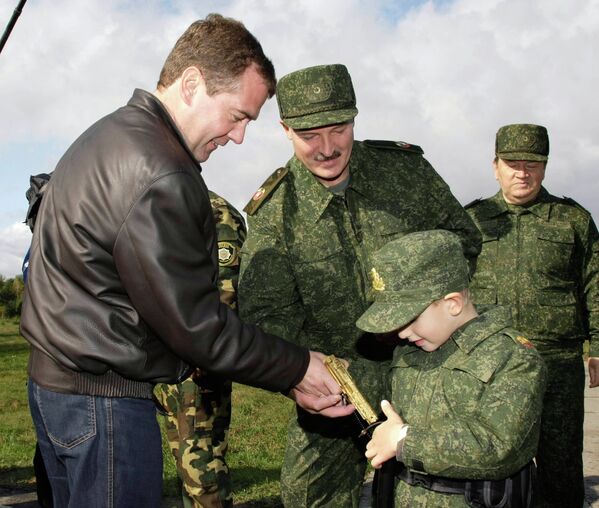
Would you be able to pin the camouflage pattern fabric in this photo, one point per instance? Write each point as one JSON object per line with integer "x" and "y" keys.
{"x": 304, "y": 277}
{"x": 409, "y": 274}
{"x": 542, "y": 259}
{"x": 199, "y": 409}
{"x": 316, "y": 96}
{"x": 522, "y": 142}
{"x": 473, "y": 406}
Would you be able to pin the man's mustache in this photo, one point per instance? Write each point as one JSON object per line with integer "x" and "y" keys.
{"x": 321, "y": 157}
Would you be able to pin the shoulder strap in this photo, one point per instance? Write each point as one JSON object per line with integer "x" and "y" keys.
{"x": 518, "y": 338}
{"x": 269, "y": 185}
{"x": 394, "y": 145}
{"x": 472, "y": 203}
{"x": 571, "y": 202}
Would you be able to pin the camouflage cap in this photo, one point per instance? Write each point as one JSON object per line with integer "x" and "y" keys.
{"x": 409, "y": 274}
{"x": 522, "y": 142}
{"x": 316, "y": 96}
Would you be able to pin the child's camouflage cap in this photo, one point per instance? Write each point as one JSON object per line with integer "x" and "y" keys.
{"x": 409, "y": 274}
{"x": 316, "y": 96}
{"x": 522, "y": 142}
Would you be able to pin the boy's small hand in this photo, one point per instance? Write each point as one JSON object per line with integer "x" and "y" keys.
{"x": 383, "y": 445}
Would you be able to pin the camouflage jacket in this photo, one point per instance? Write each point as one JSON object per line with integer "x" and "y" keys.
{"x": 305, "y": 262}
{"x": 543, "y": 260}
{"x": 231, "y": 233}
{"x": 473, "y": 405}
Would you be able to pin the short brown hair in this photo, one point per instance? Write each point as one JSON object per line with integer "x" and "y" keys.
{"x": 222, "y": 48}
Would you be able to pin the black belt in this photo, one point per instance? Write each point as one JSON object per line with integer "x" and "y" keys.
{"x": 515, "y": 491}
{"x": 431, "y": 482}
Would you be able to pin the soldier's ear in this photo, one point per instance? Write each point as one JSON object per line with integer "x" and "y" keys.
{"x": 288, "y": 130}
{"x": 496, "y": 168}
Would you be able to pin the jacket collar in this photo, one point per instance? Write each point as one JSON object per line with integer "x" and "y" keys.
{"x": 497, "y": 205}
{"x": 478, "y": 329}
{"x": 459, "y": 345}
{"x": 313, "y": 197}
{"x": 153, "y": 106}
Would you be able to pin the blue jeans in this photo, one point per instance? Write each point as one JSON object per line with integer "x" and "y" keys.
{"x": 98, "y": 451}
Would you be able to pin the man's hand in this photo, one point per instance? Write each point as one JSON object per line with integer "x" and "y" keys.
{"x": 318, "y": 392}
{"x": 383, "y": 445}
{"x": 593, "y": 371}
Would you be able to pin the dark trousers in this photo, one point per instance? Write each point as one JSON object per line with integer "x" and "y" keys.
{"x": 559, "y": 456}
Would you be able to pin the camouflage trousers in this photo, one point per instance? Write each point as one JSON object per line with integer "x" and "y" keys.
{"x": 559, "y": 456}
{"x": 324, "y": 462}
{"x": 197, "y": 424}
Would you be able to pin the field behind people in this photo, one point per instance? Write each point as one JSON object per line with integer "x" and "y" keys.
{"x": 256, "y": 444}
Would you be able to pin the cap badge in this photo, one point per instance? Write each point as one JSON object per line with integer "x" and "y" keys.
{"x": 378, "y": 284}
{"x": 319, "y": 92}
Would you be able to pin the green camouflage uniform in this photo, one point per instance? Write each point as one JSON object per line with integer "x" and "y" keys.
{"x": 473, "y": 406}
{"x": 199, "y": 409}
{"x": 542, "y": 259}
{"x": 304, "y": 277}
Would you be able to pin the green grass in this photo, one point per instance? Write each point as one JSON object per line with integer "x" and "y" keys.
{"x": 257, "y": 437}
{"x": 17, "y": 438}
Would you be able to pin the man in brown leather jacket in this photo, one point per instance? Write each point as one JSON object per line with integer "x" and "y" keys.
{"x": 121, "y": 291}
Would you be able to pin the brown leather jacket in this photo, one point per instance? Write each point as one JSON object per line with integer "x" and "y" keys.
{"x": 121, "y": 290}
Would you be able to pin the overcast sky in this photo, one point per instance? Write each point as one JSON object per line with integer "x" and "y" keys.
{"x": 440, "y": 74}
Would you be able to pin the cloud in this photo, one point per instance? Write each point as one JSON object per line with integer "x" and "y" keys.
{"x": 443, "y": 75}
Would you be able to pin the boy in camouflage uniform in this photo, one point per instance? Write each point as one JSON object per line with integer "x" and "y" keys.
{"x": 313, "y": 226}
{"x": 199, "y": 408}
{"x": 541, "y": 257}
{"x": 467, "y": 389}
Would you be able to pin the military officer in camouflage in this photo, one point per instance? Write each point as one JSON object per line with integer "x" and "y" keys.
{"x": 541, "y": 256}
{"x": 467, "y": 389}
{"x": 199, "y": 409}
{"x": 313, "y": 227}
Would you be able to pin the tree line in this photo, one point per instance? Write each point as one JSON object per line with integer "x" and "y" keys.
{"x": 11, "y": 296}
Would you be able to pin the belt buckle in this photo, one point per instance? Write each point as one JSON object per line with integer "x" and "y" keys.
{"x": 421, "y": 481}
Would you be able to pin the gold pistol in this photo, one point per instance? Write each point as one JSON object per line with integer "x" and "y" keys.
{"x": 349, "y": 389}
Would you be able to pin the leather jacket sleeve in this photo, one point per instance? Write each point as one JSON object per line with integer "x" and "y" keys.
{"x": 164, "y": 257}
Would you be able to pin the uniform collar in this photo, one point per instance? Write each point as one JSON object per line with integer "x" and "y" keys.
{"x": 465, "y": 339}
{"x": 497, "y": 205}
{"x": 362, "y": 168}
{"x": 478, "y": 329}
{"x": 313, "y": 197}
